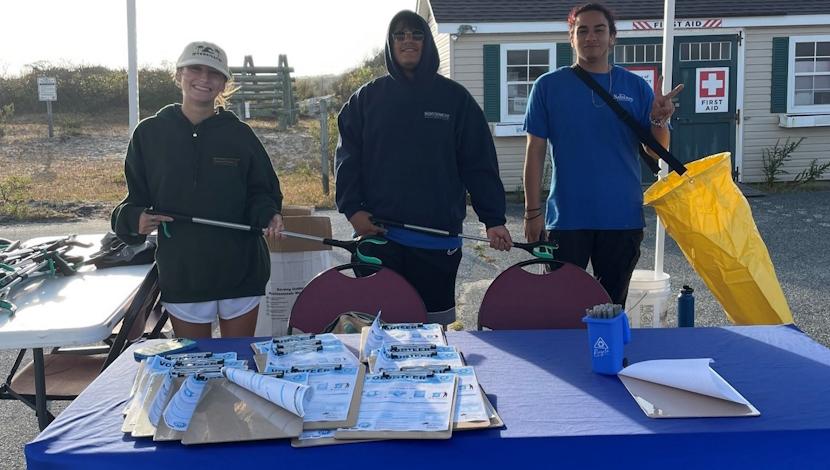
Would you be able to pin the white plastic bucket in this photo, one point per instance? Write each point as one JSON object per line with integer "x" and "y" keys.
{"x": 647, "y": 304}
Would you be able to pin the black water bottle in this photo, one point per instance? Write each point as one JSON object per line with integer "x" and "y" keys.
{"x": 686, "y": 307}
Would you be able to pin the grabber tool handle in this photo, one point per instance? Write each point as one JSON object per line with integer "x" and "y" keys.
{"x": 540, "y": 249}
{"x": 353, "y": 246}
{"x": 199, "y": 220}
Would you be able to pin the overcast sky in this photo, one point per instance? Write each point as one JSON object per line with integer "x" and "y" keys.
{"x": 319, "y": 36}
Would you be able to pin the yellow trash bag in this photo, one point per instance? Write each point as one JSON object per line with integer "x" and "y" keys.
{"x": 709, "y": 218}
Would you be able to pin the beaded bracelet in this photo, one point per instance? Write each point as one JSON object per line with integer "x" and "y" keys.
{"x": 660, "y": 123}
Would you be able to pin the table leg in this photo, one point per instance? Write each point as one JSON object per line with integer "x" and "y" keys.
{"x": 43, "y": 415}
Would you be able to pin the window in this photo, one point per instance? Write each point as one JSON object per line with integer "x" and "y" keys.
{"x": 638, "y": 53}
{"x": 705, "y": 51}
{"x": 522, "y": 64}
{"x": 809, "y": 74}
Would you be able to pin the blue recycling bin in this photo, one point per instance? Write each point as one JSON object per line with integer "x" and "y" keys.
{"x": 607, "y": 338}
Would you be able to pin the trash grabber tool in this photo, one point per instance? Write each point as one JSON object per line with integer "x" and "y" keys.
{"x": 352, "y": 246}
{"x": 539, "y": 249}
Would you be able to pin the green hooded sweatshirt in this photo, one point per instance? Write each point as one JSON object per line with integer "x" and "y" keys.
{"x": 218, "y": 170}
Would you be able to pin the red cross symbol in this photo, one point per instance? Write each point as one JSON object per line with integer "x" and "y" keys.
{"x": 712, "y": 83}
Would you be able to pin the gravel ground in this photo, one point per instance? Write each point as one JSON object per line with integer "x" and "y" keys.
{"x": 795, "y": 227}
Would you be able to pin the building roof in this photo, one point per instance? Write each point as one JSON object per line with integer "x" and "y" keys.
{"x": 460, "y": 11}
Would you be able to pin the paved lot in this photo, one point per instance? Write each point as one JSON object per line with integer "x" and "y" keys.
{"x": 795, "y": 227}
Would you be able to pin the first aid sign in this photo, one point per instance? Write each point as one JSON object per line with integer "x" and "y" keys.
{"x": 712, "y": 95}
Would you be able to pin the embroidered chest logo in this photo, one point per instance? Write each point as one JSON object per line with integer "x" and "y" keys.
{"x": 436, "y": 115}
{"x": 623, "y": 97}
{"x": 226, "y": 161}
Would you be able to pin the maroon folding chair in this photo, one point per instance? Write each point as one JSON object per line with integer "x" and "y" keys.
{"x": 521, "y": 300}
{"x": 331, "y": 293}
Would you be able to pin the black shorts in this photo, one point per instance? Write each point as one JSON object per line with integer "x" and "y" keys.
{"x": 431, "y": 272}
{"x": 612, "y": 253}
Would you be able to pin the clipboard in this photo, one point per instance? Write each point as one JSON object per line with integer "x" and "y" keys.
{"x": 163, "y": 431}
{"x": 261, "y": 361}
{"x": 143, "y": 426}
{"x": 683, "y": 388}
{"x": 349, "y": 434}
{"x": 495, "y": 420}
{"x": 137, "y": 412}
{"x": 328, "y": 439}
{"x": 230, "y": 413}
{"x": 354, "y": 407}
{"x": 364, "y": 333}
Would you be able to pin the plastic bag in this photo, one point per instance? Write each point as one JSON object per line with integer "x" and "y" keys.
{"x": 711, "y": 221}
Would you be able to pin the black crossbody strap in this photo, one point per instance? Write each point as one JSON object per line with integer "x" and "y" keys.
{"x": 644, "y": 135}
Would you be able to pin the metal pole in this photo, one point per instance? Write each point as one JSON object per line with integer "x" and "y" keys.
{"x": 49, "y": 113}
{"x": 132, "y": 65}
{"x": 668, "y": 59}
{"x": 324, "y": 144}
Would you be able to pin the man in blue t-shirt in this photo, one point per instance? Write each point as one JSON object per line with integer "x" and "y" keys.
{"x": 594, "y": 210}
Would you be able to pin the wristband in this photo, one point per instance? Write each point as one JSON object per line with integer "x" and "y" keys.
{"x": 531, "y": 218}
{"x": 660, "y": 123}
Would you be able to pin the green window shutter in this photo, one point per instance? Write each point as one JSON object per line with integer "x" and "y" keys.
{"x": 564, "y": 55}
{"x": 492, "y": 85}
{"x": 780, "y": 64}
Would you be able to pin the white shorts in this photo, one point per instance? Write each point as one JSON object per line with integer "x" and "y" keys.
{"x": 206, "y": 312}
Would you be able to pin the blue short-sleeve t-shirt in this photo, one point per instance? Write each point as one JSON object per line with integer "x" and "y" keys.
{"x": 596, "y": 180}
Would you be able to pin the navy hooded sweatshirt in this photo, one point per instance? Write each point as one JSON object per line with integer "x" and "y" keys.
{"x": 409, "y": 150}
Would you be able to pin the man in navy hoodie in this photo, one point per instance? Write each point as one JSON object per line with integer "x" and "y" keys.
{"x": 412, "y": 144}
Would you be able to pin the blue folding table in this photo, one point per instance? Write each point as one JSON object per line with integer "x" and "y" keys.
{"x": 557, "y": 413}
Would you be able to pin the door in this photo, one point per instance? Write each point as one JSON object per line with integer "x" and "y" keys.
{"x": 705, "y": 120}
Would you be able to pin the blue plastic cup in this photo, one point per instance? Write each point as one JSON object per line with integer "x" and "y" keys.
{"x": 607, "y": 338}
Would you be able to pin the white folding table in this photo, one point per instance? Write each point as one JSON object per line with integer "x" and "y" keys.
{"x": 64, "y": 311}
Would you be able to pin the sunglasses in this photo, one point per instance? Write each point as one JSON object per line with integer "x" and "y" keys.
{"x": 416, "y": 35}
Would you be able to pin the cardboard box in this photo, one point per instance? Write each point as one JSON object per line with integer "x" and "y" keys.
{"x": 294, "y": 262}
{"x": 291, "y": 211}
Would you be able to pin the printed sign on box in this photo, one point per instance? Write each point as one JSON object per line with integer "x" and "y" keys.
{"x": 712, "y": 90}
{"x": 294, "y": 262}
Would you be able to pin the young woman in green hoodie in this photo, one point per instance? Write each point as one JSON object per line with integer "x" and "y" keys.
{"x": 195, "y": 158}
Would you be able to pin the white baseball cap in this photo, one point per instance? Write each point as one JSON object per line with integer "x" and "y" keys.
{"x": 205, "y": 53}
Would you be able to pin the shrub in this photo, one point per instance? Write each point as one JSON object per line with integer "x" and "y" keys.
{"x": 14, "y": 192}
{"x": 775, "y": 157}
{"x": 6, "y": 112}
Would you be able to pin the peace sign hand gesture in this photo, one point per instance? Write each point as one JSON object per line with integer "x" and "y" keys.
{"x": 663, "y": 107}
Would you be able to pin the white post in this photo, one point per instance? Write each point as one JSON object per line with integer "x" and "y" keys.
{"x": 132, "y": 65}
{"x": 668, "y": 59}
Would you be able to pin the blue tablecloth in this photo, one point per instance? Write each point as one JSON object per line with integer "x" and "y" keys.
{"x": 557, "y": 412}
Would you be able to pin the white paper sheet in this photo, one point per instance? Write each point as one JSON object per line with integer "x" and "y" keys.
{"x": 469, "y": 406}
{"x": 406, "y": 404}
{"x": 693, "y": 375}
{"x": 395, "y": 333}
{"x": 331, "y": 353}
{"x": 180, "y": 409}
{"x": 333, "y": 392}
{"x": 386, "y": 359}
{"x": 291, "y": 396}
